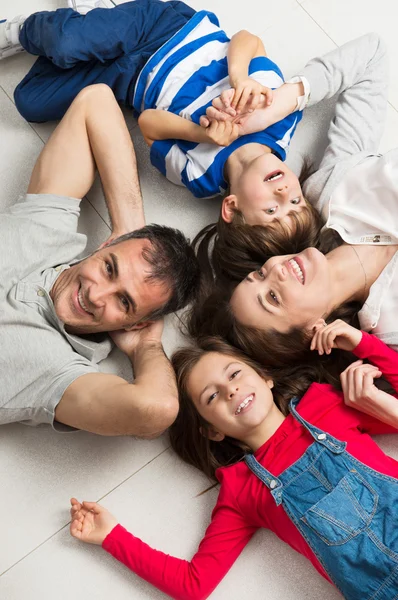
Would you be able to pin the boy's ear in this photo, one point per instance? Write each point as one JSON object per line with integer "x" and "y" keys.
{"x": 212, "y": 434}
{"x": 228, "y": 208}
{"x": 138, "y": 326}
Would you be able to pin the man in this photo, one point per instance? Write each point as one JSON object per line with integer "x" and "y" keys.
{"x": 54, "y": 309}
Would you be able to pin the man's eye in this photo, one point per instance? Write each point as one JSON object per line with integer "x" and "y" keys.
{"x": 125, "y": 302}
{"x": 109, "y": 268}
{"x": 295, "y": 201}
{"x": 234, "y": 374}
{"x": 273, "y": 297}
{"x": 270, "y": 211}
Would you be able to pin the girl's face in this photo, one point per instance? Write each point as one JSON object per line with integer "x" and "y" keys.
{"x": 233, "y": 398}
{"x": 288, "y": 291}
{"x": 266, "y": 190}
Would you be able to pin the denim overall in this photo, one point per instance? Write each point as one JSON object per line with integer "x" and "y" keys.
{"x": 346, "y": 511}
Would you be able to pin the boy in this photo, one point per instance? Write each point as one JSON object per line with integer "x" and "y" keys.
{"x": 170, "y": 63}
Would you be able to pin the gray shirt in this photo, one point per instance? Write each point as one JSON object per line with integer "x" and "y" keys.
{"x": 38, "y": 358}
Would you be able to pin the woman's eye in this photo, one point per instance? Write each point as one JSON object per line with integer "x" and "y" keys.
{"x": 108, "y": 268}
{"x": 295, "y": 201}
{"x": 261, "y": 273}
{"x": 273, "y": 297}
{"x": 234, "y": 374}
{"x": 270, "y": 211}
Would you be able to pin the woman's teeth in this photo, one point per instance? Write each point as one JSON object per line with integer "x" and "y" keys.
{"x": 297, "y": 269}
{"x": 81, "y": 301}
{"x": 243, "y": 404}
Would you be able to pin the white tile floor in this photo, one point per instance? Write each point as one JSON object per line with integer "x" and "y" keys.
{"x": 142, "y": 482}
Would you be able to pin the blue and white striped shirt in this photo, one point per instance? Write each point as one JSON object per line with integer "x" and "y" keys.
{"x": 183, "y": 77}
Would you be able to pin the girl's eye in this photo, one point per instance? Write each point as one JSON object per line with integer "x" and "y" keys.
{"x": 212, "y": 398}
{"x": 234, "y": 374}
{"x": 270, "y": 211}
{"x": 295, "y": 201}
{"x": 273, "y": 297}
{"x": 108, "y": 268}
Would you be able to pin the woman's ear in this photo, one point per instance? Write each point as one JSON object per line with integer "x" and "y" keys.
{"x": 138, "y": 326}
{"x": 212, "y": 434}
{"x": 228, "y": 208}
{"x": 319, "y": 324}
{"x": 270, "y": 383}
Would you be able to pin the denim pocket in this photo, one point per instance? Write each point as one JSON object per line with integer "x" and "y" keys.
{"x": 344, "y": 512}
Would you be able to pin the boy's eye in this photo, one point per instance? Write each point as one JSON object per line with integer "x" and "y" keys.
{"x": 295, "y": 201}
{"x": 270, "y": 211}
{"x": 273, "y": 297}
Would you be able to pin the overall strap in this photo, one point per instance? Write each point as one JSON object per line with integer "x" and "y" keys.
{"x": 321, "y": 437}
{"x": 272, "y": 483}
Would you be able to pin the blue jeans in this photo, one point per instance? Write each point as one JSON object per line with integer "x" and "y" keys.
{"x": 346, "y": 511}
{"x": 105, "y": 46}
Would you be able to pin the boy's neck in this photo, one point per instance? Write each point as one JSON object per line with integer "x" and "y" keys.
{"x": 241, "y": 158}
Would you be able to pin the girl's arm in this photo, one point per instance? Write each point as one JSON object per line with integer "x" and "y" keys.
{"x": 225, "y": 538}
{"x": 380, "y": 355}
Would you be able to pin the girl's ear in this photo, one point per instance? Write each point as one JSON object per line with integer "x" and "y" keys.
{"x": 228, "y": 208}
{"x": 212, "y": 434}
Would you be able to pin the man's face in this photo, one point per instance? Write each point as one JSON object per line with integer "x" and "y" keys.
{"x": 109, "y": 290}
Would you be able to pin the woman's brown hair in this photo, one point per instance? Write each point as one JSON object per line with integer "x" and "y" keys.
{"x": 188, "y": 432}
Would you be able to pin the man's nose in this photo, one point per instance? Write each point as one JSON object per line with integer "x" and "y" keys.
{"x": 98, "y": 293}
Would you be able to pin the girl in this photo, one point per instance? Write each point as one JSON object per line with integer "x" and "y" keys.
{"x": 313, "y": 476}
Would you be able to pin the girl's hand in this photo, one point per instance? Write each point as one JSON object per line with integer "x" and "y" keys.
{"x": 91, "y": 523}
{"x": 248, "y": 94}
{"x": 222, "y": 133}
{"x": 336, "y": 335}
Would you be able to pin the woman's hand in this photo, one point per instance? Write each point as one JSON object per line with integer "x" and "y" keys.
{"x": 335, "y": 335}
{"x": 91, "y": 523}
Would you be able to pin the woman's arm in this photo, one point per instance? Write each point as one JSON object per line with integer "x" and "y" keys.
{"x": 225, "y": 538}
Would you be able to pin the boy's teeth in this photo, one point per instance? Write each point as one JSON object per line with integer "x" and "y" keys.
{"x": 273, "y": 177}
{"x": 297, "y": 269}
{"x": 243, "y": 404}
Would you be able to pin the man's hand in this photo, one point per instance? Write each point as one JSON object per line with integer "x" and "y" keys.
{"x": 335, "y": 335}
{"x": 128, "y": 341}
{"x": 91, "y": 523}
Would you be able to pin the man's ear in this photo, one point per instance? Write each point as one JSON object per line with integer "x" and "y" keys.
{"x": 212, "y": 434}
{"x": 138, "y": 326}
{"x": 229, "y": 207}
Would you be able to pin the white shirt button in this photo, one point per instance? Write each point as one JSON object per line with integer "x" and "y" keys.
{"x": 58, "y": 268}
{"x": 40, "y": 292}
{"x": 321, "y": 436}
{"x": 273, "y": 484}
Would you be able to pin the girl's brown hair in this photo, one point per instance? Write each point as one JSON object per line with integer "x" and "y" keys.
{"x": 188, "y": 432}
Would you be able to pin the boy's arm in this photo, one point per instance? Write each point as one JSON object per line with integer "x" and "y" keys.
{"x": 163, "y": 125}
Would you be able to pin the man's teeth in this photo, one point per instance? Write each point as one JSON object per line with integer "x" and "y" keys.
{"x": 81, "y": 301}
{"x": 274, "y": 177}
{"x": 243, "y": 404}
{"x": 297, "y": 269}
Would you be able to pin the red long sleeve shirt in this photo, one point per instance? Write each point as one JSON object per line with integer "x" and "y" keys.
{"x": 245, "y": 504}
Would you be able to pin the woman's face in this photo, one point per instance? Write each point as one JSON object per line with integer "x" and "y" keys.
{"x": 266, "y": 190}
{"x": 288, "y": 291}
{"x": 230, "y": 396}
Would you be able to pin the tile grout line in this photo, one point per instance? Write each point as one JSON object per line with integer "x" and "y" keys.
{"x": 67, "y": 524}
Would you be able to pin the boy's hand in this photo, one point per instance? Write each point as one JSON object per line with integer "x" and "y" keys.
{"x": 91, "y": 523}
{"x": 223, "y": 133}
{"x": 248, "y": 94}
{"x": 336, "y": 335}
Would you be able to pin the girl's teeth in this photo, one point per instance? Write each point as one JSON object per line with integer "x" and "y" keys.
{"x": 243, "y": 404}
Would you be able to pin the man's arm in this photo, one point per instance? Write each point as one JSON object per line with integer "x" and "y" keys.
{"x": 108, "y": 405}
{"x": 93, "y": 133}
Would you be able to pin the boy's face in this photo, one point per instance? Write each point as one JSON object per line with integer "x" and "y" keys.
{"x": 266, "y": 190}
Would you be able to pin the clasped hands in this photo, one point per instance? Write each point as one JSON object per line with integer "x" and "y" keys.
{"x": 233, "y": 113}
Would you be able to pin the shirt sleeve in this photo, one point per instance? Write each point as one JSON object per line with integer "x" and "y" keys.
{"x": 357, "y": 73}
{"x": 225, "y": 538}
{"x": 58, "y": 212}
